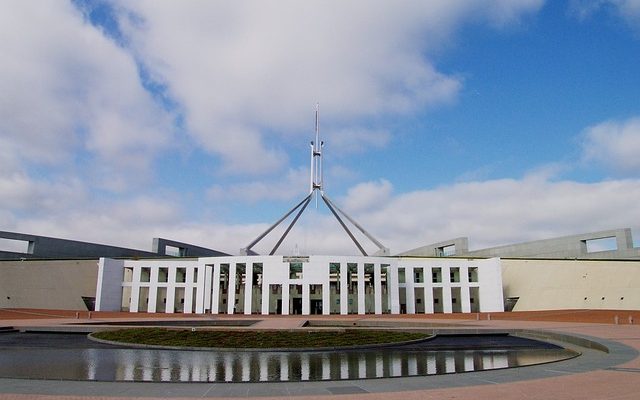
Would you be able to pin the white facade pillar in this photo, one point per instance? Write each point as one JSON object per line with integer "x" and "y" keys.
{"x": 109, "y": 285}
{"x": 286, "y": 289}
{"x": 490, "y": 285}
{"x": 266, "y": 291}
{"x": 377, "y": 288}
{"x": 428, "y": 292}
{"x": 171, "y": 290}
{"x": 153, "y": 289}
{"x": 200, "y": 272}
{"x": 305, "y": 299}
{"x": 215, "y": 289}
{"x": 135, "y": 289}
{"x": 465, "y": 298}
{"x": 394, "y": 292}
{"x": 188, "y": 290}
{"x": 447, "y": 305}
{"x": 361, "y": 309}
{"x": 248, "y": 288}
{"x": 231, "y": 290}
{"x": 326, "y": 299}
{"x": 208, "y": 277}
{"x": 344, "y": 288}
{"x": 410, "y": 290}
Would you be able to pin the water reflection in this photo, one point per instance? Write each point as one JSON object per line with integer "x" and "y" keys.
{"x": 201, "y": 366}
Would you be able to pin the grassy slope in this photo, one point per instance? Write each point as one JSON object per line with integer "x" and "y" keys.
{"x": 255, "y": 339}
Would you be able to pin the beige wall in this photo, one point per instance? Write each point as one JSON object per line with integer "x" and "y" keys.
{"x": 56, "y": 284}
{"x": 540, "y": 284}
{"x": 564, "y": 284}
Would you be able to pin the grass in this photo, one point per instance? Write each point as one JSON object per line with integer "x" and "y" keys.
{"x": 256, "y": 339}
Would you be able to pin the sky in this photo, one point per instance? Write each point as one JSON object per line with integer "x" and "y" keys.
{"x": 503, "y": 121}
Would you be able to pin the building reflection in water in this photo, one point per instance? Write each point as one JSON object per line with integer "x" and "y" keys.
{"x": 243, "y": 366}
{"x": 190, "y": 366}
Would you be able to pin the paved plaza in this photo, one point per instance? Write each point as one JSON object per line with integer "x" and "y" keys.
{"x": 594, "y": 375}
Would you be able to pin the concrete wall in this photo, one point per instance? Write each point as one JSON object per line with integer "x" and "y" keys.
{"x": 574, "y": 246}
{"x": 53, "y": 248}
{"x": 56, "y": 284}
{"x": 572, "y": 284}
{"x": 566, "y": 247}
{"x": 40, "y": 247}
{"x": 460, "y": 245}
{"x": 184, "y": 249}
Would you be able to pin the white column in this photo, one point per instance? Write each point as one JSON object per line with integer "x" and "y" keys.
{"x": 109, "y": 285}
{"x": 447, "y": 306}
{"x": 361, "y": 309}
{"x": 377, "y": 288}
{"x": 208, "y": 277}
{"x": 188, "y": 291}
{"x": 153, "y": 289}
{"x": 428, "y": 292}
{"x": 326, "y": 300}
{"x": 465, "y": 298}
{"x": 171, "y": 290}
{"x": 135, "y": 289}
{"x": 248, "y": 287}
{"x": 305, "y": 299}
{"x": 266, "y": 292}
{"x": 215, "y": 289}
{"x": 231, "y": 290}
{"x": 286, "y": 287}
{"x": 344, "y": 289}
{"x": 410, "y": 290}
{"x": 201, "y": 288}
{"x": 392, "y": 286}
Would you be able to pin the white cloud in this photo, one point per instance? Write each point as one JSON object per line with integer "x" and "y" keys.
{"x": 356, "y": 140}
{"x": 293, "y": 184}
{"x": 66, "y": 89}
{"x": 20, "y": 193}
{"x": 239, "y": 72}
{"x": 490, "y": 213}
{"x": 614, "y": 144}
{"x": 242, "y": 68}
{"x": 504, "y": 211}
{"x": 629, "y": 10}
{"x": 367, "y": 195}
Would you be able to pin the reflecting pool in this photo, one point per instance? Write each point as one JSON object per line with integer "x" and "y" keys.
{"x": 82, "y": 362}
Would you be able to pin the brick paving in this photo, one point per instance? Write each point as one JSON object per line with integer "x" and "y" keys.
{"x": 619, "y": 382}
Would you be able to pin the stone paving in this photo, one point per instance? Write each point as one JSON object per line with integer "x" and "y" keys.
{"x": 595, "y": 375}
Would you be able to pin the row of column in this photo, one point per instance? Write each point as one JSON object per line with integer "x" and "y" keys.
{"x": 194, "y": 279}
{"x": 205, "y": 279}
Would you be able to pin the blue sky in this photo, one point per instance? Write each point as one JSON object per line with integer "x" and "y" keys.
{"x": 503, "y": 121}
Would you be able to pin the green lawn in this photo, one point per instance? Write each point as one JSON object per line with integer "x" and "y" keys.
{"x": 256, "y": 339}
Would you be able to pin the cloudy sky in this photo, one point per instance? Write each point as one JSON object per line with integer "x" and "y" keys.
{"x": 504, "y": 120}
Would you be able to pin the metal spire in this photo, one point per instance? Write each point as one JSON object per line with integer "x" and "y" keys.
{"x": 316, "y": 182}
{"x": 316, "y": 178}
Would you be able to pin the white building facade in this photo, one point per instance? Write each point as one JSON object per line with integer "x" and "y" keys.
{"x": 301, "y": 285}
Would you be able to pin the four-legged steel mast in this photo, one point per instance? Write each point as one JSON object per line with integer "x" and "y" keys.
{"x": 315, "y": 190}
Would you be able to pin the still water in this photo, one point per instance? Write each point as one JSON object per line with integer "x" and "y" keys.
{"x": 121, "y": 364}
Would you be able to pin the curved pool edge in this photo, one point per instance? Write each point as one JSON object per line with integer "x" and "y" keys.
{"x": 591, "y": 361}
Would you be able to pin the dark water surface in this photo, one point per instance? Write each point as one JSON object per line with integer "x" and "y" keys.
{"x": 67, "y": 356}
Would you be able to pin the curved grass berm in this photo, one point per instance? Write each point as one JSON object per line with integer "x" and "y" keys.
{"x": 240, "y": 339}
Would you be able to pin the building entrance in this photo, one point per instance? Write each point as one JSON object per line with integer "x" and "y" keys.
{"x": 316, "y": 307}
